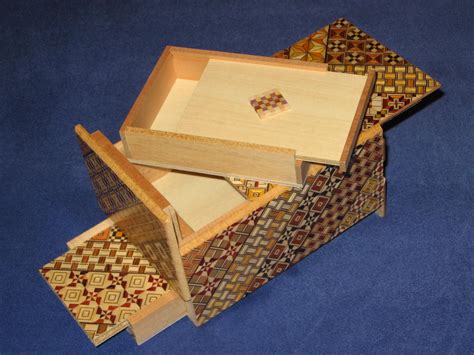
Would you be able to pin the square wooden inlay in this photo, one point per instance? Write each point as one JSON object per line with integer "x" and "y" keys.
{"x": 269, "y": 103}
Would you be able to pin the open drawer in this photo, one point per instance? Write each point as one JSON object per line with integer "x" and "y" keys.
{"x": 200, "y": 111}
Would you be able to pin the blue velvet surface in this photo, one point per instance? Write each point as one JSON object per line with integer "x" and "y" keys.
{"x": 403, "y": 283}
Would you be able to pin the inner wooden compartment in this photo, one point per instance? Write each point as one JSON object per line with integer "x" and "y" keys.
{"x": 209, "y": 97}
{"x": 197, "y": 199}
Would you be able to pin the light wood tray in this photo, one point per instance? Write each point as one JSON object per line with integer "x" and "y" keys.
{"x": 194, "y": 114}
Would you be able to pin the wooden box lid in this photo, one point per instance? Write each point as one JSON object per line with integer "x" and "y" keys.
{"x": 245, "y": 116}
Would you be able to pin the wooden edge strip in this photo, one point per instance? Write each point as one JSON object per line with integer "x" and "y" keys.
{"x": 176, "y": 260}
{"x": 357, "y": 121}
{"x": 157, "y": 316}
{"x": 211, "y": 141}
{"x": 229, "y": 218}
{"x": 247, "y": 58}
{"x": 88, "y": 234}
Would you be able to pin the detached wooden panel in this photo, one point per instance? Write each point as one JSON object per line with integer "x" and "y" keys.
{"x": 104, "y": 279}
{"x": 205, "y": 155}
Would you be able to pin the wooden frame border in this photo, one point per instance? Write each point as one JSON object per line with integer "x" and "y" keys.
{"x": 344, "y": 160}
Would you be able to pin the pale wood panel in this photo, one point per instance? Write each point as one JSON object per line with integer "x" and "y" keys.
{"x": 322, "y": 108}
{"x": 198, "y": 199}
{"x": 205, "y": 155}
{"x": 174, "y": 105}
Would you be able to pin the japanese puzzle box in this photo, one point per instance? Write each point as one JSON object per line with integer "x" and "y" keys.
{"x": 286, "y": 171}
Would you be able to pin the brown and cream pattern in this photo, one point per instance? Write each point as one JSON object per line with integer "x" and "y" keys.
{"x": 289, "y": 228}
{"x": 346, "y": 48}
{"x": 103, "y": 281}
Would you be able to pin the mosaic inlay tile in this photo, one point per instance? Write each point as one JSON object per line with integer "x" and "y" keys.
{"x": 269, "y": 103}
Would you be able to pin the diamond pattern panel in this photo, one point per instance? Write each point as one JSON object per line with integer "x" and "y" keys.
{"x": 103, "y": 281}
{"x": 346, "y": 48}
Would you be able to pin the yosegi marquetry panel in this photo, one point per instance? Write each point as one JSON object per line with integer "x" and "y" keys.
{"x": 346, "y": 48}
{"x": 103, "y": 281}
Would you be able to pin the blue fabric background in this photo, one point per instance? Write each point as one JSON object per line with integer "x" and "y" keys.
{"x": 403, "y": 283}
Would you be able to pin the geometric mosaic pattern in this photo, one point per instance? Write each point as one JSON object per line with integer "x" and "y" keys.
{"x": 248, "y": 254}
{"x": 250, "y": 189}
{"x": 217, "y": 259}
{"x": 269, "y": 103}
{"x": 102, "y": 282}
{"x": 346, "y": 48}
{"x": 112, "y": 194}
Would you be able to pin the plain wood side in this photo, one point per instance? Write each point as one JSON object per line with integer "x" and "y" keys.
{"x": 153, "y": 94}
{"x": 204, "y": 155}
{"x": 205, "y": 55}
{"x": 357, "y": 122}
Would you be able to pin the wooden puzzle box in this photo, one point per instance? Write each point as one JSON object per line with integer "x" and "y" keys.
{"x": 231, "y": 169}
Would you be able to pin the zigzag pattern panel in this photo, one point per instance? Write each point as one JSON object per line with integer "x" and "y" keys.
{"x": 217, "y": 259}
{"x": 103, "y": 281}
{"x": 347, "y": 48}
{"x": 289, "y": 228}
